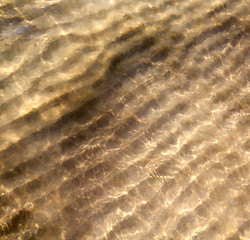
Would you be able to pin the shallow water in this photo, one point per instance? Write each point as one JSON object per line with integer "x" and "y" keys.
{"x": 124, "y": 119}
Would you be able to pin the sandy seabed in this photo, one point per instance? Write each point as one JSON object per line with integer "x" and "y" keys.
{"x": 124, "y": 119}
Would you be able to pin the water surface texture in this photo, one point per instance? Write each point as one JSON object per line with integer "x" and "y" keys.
{"x": 124, "y": 119}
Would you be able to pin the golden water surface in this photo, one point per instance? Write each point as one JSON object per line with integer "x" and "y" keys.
{"x": 124, "y": 119}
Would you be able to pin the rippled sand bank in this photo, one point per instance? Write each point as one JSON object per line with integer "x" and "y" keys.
{"x": 124, "y": 119}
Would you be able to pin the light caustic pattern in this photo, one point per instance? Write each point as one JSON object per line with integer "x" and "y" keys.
{"x": 124, "y": 119}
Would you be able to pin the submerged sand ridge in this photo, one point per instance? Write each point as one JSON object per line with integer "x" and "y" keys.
{"x": 124, "y": 120}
